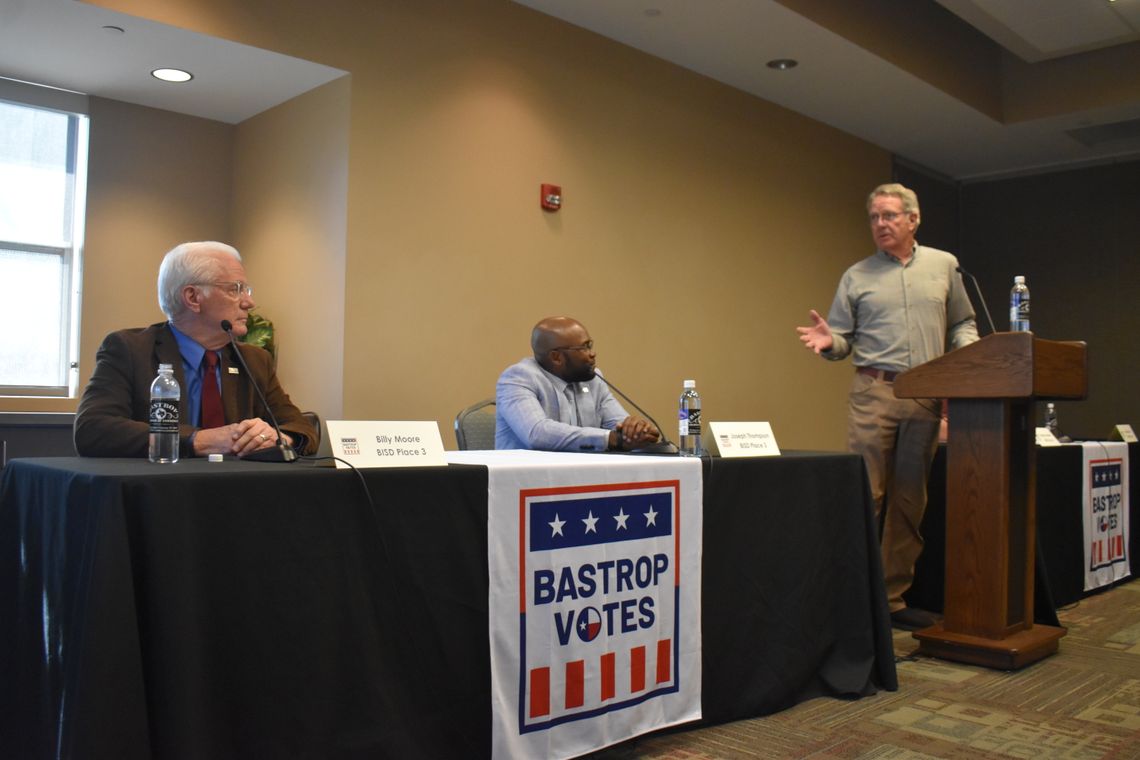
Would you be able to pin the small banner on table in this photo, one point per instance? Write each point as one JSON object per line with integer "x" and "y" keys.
{"x": 1105, "y": 509}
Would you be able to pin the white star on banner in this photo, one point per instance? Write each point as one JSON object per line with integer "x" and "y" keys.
{"x": 621, "y": 517}
{"x": 591, "y": 522}
{"x": 556, "y": 526}
{"x": 651, "y": 516}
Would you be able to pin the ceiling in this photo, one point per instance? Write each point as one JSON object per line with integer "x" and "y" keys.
{"x": 853, "y": 89}
{"x": 66, "y": 44}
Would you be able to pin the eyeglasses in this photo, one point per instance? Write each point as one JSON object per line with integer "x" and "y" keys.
{"x": 588, "y": 346}
{"x": 235, "y": 289}
{"x": 886, "y": 216}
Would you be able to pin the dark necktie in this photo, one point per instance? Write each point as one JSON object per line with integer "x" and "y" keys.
{"x": 212, "y": 414}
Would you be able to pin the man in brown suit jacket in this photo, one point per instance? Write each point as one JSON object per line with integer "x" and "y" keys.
{"x": 199, "y": 286}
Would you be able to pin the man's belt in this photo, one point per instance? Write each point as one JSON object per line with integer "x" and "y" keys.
{"x": 879, "y": 374}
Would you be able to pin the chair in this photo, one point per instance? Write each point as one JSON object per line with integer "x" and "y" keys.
{"x": 314, "y": 420}
{"x": 475, "y": 426}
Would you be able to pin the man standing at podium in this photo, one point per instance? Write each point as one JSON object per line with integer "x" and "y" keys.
{"x": 900, "y": 307}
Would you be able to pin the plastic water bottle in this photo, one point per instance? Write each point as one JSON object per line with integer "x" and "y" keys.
{"x": 164, "y": 395}
{"x": 689, "y": 415}
{"x": 1019, "y": 305}
{"x": 1053, "y": 425}
{"x": 1051, "y": 419}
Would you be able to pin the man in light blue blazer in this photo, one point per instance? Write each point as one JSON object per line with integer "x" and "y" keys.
{"x": 557, "y": 401}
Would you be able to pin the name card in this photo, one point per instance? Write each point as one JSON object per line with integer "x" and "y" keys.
{"x": 1124, "y": 433}
{"x": 744, "y": 439}
{"x": 373, "y": 443}
{"x": 1045, "y": 437}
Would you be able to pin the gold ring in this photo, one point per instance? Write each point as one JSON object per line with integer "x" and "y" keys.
{"x": 263, "y": 437}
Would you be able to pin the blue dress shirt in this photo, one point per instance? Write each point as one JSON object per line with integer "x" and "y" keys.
{"x": 192, "y": 358}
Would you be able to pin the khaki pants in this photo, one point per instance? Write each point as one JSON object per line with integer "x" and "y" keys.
{"x": 897, "y": 439}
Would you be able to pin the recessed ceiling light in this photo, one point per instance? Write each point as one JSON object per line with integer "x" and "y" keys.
{"x": 172, "y": 75}
{"x": 783, "y": 64}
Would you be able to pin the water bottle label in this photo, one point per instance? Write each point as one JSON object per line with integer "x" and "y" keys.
{"x": 690, "y": 422}
{"x": 163, "y": 416}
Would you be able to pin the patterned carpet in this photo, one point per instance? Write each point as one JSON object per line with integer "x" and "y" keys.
{"x": 1081, "y": 704}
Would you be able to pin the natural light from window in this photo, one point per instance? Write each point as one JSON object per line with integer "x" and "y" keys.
{"x": 43, "y": 167}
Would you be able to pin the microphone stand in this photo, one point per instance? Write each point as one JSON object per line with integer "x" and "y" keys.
{"x": 981, "y": 297}
{"x": 283, "y": 452}
{"x": 660, "y": 447}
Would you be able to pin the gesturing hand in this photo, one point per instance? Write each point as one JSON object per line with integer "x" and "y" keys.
{"x": 817, "y": 337}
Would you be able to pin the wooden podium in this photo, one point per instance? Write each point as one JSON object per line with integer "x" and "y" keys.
{"x": 991, "y": 480}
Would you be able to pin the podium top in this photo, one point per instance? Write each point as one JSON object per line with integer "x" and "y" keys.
{"x": 1013, "y": 365}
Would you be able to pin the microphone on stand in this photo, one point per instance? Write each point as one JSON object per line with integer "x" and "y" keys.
{"x": 660, "y": 447}
{"x": 981, "y": 298}
{"x": 283, "y": 452}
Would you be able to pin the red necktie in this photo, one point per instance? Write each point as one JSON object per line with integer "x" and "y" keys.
{"x": 212, "y": 414}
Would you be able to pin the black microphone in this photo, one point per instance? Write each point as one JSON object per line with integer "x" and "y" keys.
{"x": 283, "y": 452}
{"x": 981, "y": 297}
{"x": 660, "y": 447}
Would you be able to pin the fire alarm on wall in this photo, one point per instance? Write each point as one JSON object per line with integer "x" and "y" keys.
{"x": 550, "y": 196}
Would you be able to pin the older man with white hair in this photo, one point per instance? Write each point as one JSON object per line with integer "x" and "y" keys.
{"x": 200, "y": 285}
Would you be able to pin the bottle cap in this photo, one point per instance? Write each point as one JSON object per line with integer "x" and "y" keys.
{"x": 162, "y": 367}
{"x": 690, "y": 383}
{"x": 1019, "y": 279}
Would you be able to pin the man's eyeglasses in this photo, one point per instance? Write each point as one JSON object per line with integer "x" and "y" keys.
{"x": 235, "y": 289}
{"x": 886, "y": 216}
{"x": 587, "y": 347}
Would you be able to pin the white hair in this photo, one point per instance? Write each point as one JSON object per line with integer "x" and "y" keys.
{"x": 905, "y": 194}
{"x": 184, "y": 265}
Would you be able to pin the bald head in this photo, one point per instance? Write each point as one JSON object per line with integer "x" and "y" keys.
{"x": 562, "y": 346}
{"x": 551, "y": 333}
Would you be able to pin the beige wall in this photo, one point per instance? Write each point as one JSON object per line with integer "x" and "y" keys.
{"x": 290, "y": 205}
{"x": 700, "y": 224}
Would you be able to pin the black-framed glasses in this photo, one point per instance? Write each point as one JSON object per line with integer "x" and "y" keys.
{"x": 588, "y": 346}
{"x": 236, "y": 289}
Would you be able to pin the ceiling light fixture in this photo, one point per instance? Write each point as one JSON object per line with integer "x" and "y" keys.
{"x": 783, "y": 64}
{"x": 172, "y": 75}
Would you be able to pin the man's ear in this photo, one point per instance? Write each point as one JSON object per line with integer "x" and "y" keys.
{"x": 555, "y": 358}
{"x": 192, "y": 298}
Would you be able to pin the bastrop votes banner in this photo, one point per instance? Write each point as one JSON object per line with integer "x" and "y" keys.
{"x": 595, "y": 577}
{"x": 1105, "y": 509}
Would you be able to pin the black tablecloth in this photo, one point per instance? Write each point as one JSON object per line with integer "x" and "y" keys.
{"x": 792, "y": 594}
{"x": 258, "y": 610}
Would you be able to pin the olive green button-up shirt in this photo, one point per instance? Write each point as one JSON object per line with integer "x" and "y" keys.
{"x": 895, "y": 316}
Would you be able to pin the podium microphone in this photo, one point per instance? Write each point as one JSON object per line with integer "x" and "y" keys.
{"x": 283, "y": 452}
{"x": 661, "y": 447}
{"x": 981, "y": 298}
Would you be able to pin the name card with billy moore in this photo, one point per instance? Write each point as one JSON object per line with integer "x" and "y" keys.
{"x": 744, "y": 439}
{"x": 383, "y": 443}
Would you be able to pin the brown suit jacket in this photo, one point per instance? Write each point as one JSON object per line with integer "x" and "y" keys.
{"x": 113, "y": 415}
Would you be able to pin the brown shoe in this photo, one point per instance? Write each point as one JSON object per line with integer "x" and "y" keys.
{"x": 912, "y": 619}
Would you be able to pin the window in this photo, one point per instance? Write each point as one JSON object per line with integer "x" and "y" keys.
{"x": 43, "y": 178}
